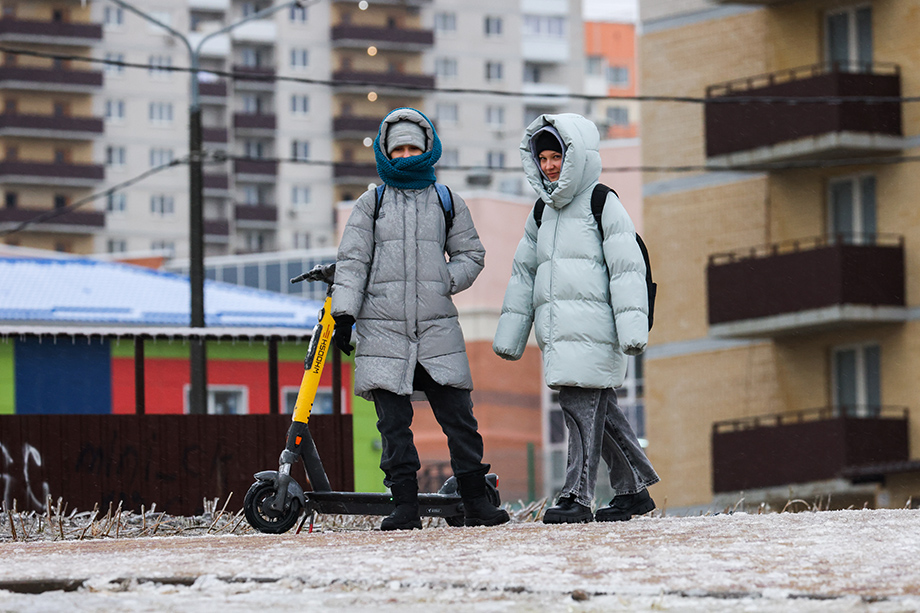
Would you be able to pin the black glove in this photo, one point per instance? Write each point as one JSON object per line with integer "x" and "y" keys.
{"x": 341, "y": 336}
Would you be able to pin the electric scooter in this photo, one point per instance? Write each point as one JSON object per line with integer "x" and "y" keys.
{"x": 276, "y": 500}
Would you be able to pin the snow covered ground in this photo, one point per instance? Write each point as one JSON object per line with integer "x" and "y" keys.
{"x": 864, "y": 561}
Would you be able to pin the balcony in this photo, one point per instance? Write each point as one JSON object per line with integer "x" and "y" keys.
{"x": 807, "y": 285}
{"x": 261, "y": 31}
{"x": 355, "y": 172}
{"x": 71, "y": 222}
{"x": 49, "y": 173}
{"x": 382, "y": 79}
{"x": 216, "y": 231}
{"x": 48, "y": 79}
{"x": 255, "y": 171}
{"x": 254, "y": 77}
{"x": 50, "y": 126}
{"x": 751, "y": 132}
{"x": 355, "y": 127}
{"x": 403, "y": 39}
{"x": 254, "y": 124}
{"x": 214, "y": 135}
{"x": 49, "y": 32}
{"x": 805, "y": 446}
{"x": 216, "y": 186}
{"x": 213, "y": 92}
{"x": 549, "y": 50}
{"x": 255, "y": 216}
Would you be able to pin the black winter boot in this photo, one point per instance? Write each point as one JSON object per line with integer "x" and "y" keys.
{"x": 568, "y": 511}
{"x": 623, "y": 507}
{"x": 405, "y": 516}
{"x": 477, "y": 510}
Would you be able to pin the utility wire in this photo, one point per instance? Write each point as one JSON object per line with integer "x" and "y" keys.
{"x": 252, "y": 76}
{"x": 52, "y": 213}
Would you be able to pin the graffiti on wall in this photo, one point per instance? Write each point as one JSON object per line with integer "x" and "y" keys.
{"x": 11, "y": 472}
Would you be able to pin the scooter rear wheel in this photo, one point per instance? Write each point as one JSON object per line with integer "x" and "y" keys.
{"x": 264, "y": 519}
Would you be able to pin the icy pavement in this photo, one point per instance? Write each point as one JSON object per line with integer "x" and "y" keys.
{"x": 814, "y": 561}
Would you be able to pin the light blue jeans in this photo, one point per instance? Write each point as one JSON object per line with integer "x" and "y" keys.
{"x": 598, "y": 428}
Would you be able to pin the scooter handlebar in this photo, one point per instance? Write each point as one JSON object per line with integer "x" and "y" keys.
{"x": 320, "y": 272}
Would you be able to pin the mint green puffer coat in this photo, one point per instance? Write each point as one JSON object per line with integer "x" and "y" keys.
{"x": 588, "y": 303}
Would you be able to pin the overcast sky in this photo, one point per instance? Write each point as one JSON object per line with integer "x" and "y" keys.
{"x": 610, "y": 10}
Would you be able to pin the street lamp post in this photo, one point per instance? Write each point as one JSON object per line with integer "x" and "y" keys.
{"x": 198, "y": 396}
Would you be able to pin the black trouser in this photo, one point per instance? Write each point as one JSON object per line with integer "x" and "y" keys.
{"x": 452, "y": 407}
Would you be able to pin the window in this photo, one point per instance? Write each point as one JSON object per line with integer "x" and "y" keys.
{"x": 545, "y": 26}
{"x": 446, "y": 113}
{"x": 618, "y": 76}
{"x": 116, "y": 203}
{"x": 300, "y": 58}
{"x": 160, "y": 112}
{"x": 445, "y": 22}
{"x": 114, "y": 69}
{"x": 115, "y": 110}
{"x": 254, "y": 149}
{"x": 617, "y": 116}
{"x": 300, "y": 104}
{"x": 167, "y": 246}
{"x": 300, "y": 150}
{"x": 298, "y": 14}
{"x": 493, "y": 26}
{"x": 162, "y": 205}
{"x": 301, "y": 241}
{"x": 495, "y": 116}
{"x": 322, "y": 404}
{"x": 116, "y": 245}
{"x": 157, "y": 65}
{"x": 224, "y": 399}
{"x": 158, "y": 157}
{"x": 594, "y": 65}
{"x": 495, "y": 159}
{"x": 493, "y": 71}
{"x": 11, "y": 200}
{"x": 857, "y": 380}
{"x": 445, "y": 67}
{"x": 251, "y": 57}
{"x": 532, "y": 73}
{"x": 252, "y": 104}
{"x": 848, "y": 38}
{"x": 113, "y": 17}
{"x": 851, "y": 208}
{"x": 60, "y": 201}
{"x": 115, "y": 157}
{"x": 255, "y": 241}
{"x": 300, "y": 196}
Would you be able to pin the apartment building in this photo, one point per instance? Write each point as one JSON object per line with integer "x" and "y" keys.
{"x": 50, "y": 128}
{"x": 783, "y": 360}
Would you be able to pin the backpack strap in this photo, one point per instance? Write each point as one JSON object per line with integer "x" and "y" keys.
{"x": 538, "y": 207}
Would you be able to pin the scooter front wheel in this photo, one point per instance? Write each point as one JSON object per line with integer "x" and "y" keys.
{"x": 263, "y": 518}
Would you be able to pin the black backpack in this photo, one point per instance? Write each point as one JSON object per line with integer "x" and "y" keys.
{"x": 598, "y": 198}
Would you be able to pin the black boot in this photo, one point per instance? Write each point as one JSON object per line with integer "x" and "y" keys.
{"x": 405, "y": 516}
{"x": 623, "y": 507}
{"x": 568, "y": 511}
{"x": 477, "y": 510}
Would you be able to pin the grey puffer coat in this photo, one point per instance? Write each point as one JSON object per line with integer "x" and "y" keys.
{"x": 393, "y": 278}
{"x": 587, "y": 301}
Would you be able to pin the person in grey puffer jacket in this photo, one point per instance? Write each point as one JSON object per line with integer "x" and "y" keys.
{"x": 587, "y": 301}
{"x": 393, "y": 282}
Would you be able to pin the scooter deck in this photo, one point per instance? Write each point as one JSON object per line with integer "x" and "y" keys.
{"x": 363, "y": 503}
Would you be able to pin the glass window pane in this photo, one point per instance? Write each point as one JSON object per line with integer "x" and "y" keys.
{"x": 867, "y": 197}
{"x": 842, "y": 209}
{"x": 873, "y": 379}
{"x": 838, "y": 38}
{"x": 864, "y": 36}
{"x": 845, "y": 380}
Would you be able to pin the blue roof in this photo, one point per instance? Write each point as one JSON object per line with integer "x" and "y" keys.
{"x": 88, "y": 291}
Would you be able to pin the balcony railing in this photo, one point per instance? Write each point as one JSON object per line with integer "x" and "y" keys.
{"x": 49, "y": 32}
{"x": 255, "y": 167}
{"x": 769, "y": 131}
{"x": 817, "y": 282}
{"x": 214, "y": 135}
{"x": 216, "y": 227}
{"x": 253, "y": 121}
{"x": 355, "y": 171}
{"x": 261, "y": 212}
{"x": 805, "y": 446}
{"x": 382, "y": 79}
{"x": 72, "y": 220}
{"x": 51, "y": 126}
{"x": 215, "y": 89}
{"x": 27, "y": 77}
{"x": 51, "y": 173}
{"x": 262, "y": 76}
{"x": 218, "y": 182}
{"x": 367, "y": 35}
{"x": 355, "y": 125}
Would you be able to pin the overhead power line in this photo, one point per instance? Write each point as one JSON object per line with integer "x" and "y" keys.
{"x": 52, "y": 213}
{"x": 252, "y": 76}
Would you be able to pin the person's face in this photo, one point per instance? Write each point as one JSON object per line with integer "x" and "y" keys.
{"x": 405, "y": 151}
{"x": 551, "y": 164}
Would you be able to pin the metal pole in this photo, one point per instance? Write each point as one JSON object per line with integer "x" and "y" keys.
{"x": 273, "y": 389}
{"x": 139, "y": 390}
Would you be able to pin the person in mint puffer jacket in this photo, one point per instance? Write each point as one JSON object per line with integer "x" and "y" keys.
{"x": 587, "y": 300}
{"x": 393, "y": 282}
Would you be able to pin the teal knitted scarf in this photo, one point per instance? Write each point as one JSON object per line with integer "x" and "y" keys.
{"x": 416, "y": 172}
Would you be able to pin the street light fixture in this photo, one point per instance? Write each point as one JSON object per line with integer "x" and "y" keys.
{"x": 198, "y": 396}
